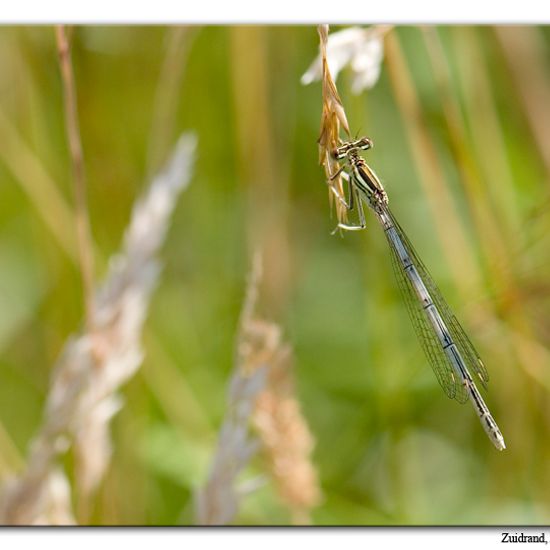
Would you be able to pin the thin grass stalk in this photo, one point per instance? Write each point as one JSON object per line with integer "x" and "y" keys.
{"x": 524, "y": 52}
{"x": 42, "y": 191}
{"x": 263, "y": 173}
{"x": 500, "y": 241}
{"x": 486, "y": 139}
{"x": 509, "y": 299}
{"x": 497, "y": 243}
{"x": 490, "y": 231}
{"x": 452, "y": 235}
{"x": 173, "y": 392}
{"x": 510, "y": 296}
{"x": 83, "y": 230}
{"x": 218, "y": 500}
{"x": 178, "y": 44}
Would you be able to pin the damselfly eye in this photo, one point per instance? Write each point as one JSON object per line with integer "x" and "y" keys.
{"x": 365, "y": 143}
{"x": 340, "y": 153}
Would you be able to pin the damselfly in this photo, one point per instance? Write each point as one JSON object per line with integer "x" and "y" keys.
{"x": 447, "y": 347}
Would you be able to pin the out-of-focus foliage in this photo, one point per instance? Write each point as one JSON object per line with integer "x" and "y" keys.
{"x": 459, "y": 121}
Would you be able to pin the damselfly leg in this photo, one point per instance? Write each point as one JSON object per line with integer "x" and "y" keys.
{"x": 350, "y": 205}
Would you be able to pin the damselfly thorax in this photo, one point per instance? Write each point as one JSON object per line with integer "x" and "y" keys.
{"x": 361, "y": 174}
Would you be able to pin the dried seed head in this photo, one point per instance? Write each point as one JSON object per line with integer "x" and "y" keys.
{"x": 286, "y": 438}
{"x": 363, "y": 50}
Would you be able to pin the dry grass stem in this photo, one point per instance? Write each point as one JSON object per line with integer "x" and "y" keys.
{"x": 524, "y": 52}
{"x": 455, "y": 244}
{"x": 498, "y": 243}
{"x": 260, "y": 391}
{"x": 218, "y": 500}
{"x": 263, "y": 162}
{"x": 179, "y": 40}
{"x": 93, "y": 366}
{"x": 41, "y": 189}
{"x": 490, "y": 231}
{"x": 85, "y": 243}
{"x": 486, "y": 138}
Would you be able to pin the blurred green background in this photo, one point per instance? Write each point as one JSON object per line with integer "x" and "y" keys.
{"x": 459, "y": 120}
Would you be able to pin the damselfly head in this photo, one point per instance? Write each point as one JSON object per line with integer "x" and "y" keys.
{"x": 343, "y": 151}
